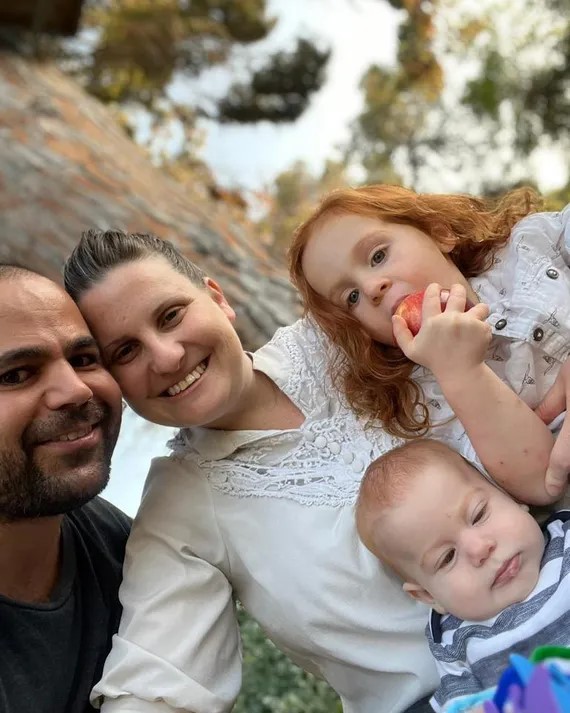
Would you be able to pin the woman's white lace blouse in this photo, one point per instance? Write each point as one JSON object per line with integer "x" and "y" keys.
{"x": 266, "y": 516}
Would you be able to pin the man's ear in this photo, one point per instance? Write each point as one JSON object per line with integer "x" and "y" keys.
{"x": 416, "y": 591}
{"x": 217, "y": 294}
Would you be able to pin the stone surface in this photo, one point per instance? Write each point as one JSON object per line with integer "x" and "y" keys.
{"x": 66, "y": 165}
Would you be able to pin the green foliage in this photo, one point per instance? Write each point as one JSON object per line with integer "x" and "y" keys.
{"x": 142, "y": 43}
{"x": 272, "y": 684}
{"x": 278, "y": 91}
{"x": 475, "y": 90}
{"x": 292, "y": 197}
{"x": 140, "y": 46}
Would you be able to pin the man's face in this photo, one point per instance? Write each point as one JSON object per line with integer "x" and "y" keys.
{"x": 60, "y": 410}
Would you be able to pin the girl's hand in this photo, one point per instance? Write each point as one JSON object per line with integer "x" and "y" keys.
{"x": 451, "y": 341}
{"x": 555, "y": 403}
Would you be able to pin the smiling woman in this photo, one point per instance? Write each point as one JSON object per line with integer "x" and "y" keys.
{"x": 255, "y": 501}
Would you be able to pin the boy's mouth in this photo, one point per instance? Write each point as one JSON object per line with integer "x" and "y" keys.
{"x": 507, "y": 571}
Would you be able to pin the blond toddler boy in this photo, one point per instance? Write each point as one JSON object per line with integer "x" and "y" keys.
{"x": 495, "y": 581}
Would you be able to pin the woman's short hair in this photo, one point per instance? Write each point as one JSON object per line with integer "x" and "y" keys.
{"x": 99, "y": 251}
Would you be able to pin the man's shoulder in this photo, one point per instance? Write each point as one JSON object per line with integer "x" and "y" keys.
{"x": 100, "y": 524}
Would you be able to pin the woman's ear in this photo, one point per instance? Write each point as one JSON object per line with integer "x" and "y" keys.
{"x": 217, "y": 294}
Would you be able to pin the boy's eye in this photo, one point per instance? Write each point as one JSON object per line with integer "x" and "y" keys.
{"x": 480, "y": 514}
{"x": 447, "y": 559}
{"x": 352, "y": 298}
{"x": 378, "y": 257}
{"x": 14, "y": 377}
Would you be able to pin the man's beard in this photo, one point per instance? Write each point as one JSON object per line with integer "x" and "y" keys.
{"x": 30, "y": 489}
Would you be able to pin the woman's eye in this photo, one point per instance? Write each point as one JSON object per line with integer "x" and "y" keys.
{"x": 122, "y": 354}
{"x": 14, "y": 377}
{"x": 171, "y": 315}
{"x": 378, "y": 257}
{"x": 352, "y": 298}
{"x": 447, "y": 559}
{"x": 480, "y": 514}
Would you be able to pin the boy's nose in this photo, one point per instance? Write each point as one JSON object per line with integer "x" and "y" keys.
{"x": 479, "y": 549}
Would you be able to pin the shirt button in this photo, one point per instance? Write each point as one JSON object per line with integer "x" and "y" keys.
{"x": 320, "y": 441}
{"x": 552, "y": 273}
{"x": 348, "y": 457}
{"x": 500, "y": 324}
{"x": 309, "y": 436}
{"x": 334, "y": 448}
{"x": 538, "y": 334}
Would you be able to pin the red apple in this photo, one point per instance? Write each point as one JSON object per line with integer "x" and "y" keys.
{"x": 410, "y": 309}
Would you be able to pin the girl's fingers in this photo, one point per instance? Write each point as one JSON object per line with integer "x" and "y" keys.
{"x": 480, "y": 311}
{"x": 457, "y": 299}
{"x": 432, "y": 301}
{"x": 402, "y": 335}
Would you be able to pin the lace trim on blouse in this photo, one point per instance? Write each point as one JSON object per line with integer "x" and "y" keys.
{"x": 321, "y": 463}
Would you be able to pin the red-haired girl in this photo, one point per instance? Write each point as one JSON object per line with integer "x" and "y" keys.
{"x": 488, "y": 356}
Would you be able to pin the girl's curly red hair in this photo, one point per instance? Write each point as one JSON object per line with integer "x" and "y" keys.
{"x": 376, "y": 379}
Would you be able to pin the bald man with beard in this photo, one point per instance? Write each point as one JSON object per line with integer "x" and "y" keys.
{"x": 61, "y": 546}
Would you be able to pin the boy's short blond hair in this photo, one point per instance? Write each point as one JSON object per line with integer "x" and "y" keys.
{"x": 386, "y": 482}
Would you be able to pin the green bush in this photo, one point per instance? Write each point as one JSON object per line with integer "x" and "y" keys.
{"x": 272, "y": 683}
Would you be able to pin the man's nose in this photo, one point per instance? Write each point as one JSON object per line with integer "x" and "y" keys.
{"x": 479, "y": 548}
{"x": 166, "y": 355}
{"x": 376, "y": 288}
{"x": 65, "y": 387}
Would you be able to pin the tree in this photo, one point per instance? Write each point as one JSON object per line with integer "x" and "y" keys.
{"x": 131, "y": 51}
{"x": 476, "y": 89}
{"x": 292, "y": 196}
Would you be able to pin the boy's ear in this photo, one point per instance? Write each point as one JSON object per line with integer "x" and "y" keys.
{"x": 416, "y": 591}
{"x": 217, "y": 294}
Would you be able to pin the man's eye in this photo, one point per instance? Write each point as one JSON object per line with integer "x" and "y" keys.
{"x": 14, "y": 377}
{"x": 352, "y": 298}
{"x": 378, "y": 257}
{"x": 447, "y": 559}
{"x": 82, "y": 361}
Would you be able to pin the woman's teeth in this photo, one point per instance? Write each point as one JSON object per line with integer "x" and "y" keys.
{"x": 188, "y": 380}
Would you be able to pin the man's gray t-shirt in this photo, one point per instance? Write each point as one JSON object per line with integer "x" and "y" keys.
{"x": 51, "y": 654}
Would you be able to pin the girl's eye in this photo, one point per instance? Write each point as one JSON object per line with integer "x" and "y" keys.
{"x": 378, "y": 257}
{"x": 447, "y": 559}
{"x": 480, "y": 514}
{"x": 15, "y": 377}
{"x": 352, "y": 298}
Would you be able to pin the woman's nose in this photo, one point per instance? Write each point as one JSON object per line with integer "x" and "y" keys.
{"x": 166, "y": 355}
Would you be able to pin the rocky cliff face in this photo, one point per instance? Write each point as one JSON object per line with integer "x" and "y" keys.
{"x": 65, "y": 165}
